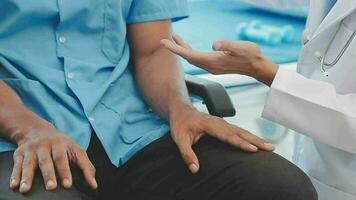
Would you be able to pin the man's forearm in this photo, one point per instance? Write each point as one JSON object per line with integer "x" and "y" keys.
{"x": 13, "y": 113}
{"x": 161, "y": 81}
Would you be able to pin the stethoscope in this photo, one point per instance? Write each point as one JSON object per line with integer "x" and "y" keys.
{"x": 324, "y": 66}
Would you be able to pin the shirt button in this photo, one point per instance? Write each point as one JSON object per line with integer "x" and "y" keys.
{"x": 62, "y": 39}
{"x": 91, "y": 119}
{"x": 306, "y": 36}
{"x": 317, "y": 54}
{"x": 71, "y": 75}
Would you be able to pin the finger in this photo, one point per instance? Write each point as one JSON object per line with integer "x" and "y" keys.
{"x": 206, "y": 61}
{"x": 179, "y": 40}
{"x": 188, "y": 155}
{"x": 177, "y": 49}
{"x": 253, "y": 139}
{"x": 29, "y": 166}
{"x": 61, "y": 163}
{"x": 188, "y": 54}
{"x": 224, "y": 45}
{"x": 16, "y": 171}
{"x": 87, "y": 167}
{"x": 223, "y": 131}
{"x": 47, "y": 169}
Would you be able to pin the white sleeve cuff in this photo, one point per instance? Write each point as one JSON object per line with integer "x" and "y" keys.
{"x": 273, "y": 102}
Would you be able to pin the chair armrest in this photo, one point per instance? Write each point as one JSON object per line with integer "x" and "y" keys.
{"x": 213, "y": 94}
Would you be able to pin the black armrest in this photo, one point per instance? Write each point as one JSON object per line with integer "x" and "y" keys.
{"x": 213, "y": 94}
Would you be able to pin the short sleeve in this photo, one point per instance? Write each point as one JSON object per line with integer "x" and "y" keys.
{"x": 153, "y": 10}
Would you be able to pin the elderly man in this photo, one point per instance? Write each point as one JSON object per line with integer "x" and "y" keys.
{"x": 75, "y": 126}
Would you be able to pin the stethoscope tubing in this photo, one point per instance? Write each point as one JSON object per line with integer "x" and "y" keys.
{"x": 327, "y": 66}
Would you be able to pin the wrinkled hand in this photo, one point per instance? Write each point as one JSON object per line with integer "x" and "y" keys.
{"x": 188, "y": 126}
{"x": 52, "y": 152}
{"x": 229, "y": 57}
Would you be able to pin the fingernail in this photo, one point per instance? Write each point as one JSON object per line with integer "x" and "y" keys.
{"x": 66, "y": 183}
{"x": 23, "y": 187}
{"x": 95, "y": 184}
{"x": 13, "y": 182}
{"x": 269, "y": 146}
{"x": 170, "y": 43}
{"x": 193, "y": 168}
{"x": 50, "y": 185}
{"x": 165, "y": 42}
{"x": 217, "y": 46}
{"x": 253, "y": 148}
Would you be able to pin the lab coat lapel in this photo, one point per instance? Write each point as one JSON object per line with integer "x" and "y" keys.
{"x": 317, "y": 13}
{"x": 340, "y": 11}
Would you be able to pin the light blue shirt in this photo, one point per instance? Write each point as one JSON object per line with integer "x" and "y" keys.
{"x": 69, "y": 63}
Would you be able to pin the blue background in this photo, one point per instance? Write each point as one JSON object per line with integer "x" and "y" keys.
{"x": 212, "y": 20}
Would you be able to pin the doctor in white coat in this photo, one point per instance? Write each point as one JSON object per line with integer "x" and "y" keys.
{"x": 319, "y": 101}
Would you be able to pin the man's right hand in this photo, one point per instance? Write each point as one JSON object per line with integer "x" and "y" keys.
{"x": 45, "y": 147}
{"x": 41, "y": 145}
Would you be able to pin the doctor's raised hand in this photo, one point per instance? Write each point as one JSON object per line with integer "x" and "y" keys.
{"x": 228, "y": 57}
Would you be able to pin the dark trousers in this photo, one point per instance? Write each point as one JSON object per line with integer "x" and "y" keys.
{"x": 158, "y": 173}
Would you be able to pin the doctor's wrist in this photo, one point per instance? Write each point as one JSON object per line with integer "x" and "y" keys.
{"x": 265, "y": 71}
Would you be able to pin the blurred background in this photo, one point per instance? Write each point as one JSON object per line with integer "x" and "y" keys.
{"x": 276, "y": 25}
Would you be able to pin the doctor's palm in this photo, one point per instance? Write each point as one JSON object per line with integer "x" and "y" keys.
{"x": 229, "y": 57}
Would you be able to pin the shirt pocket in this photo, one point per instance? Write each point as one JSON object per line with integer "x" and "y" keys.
{"x": 115, "y": 30}
{"x": 136, "y": 118}
{"x": 124, "y": 96}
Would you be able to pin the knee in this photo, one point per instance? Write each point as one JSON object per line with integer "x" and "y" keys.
{"x": 292, "y": 184}
{"x": 271, "y": 177}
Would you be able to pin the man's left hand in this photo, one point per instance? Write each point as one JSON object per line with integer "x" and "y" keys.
{"x": 188, "y": 125}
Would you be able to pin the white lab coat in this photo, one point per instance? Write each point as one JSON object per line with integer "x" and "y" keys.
{"x": 321, "y": 107}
